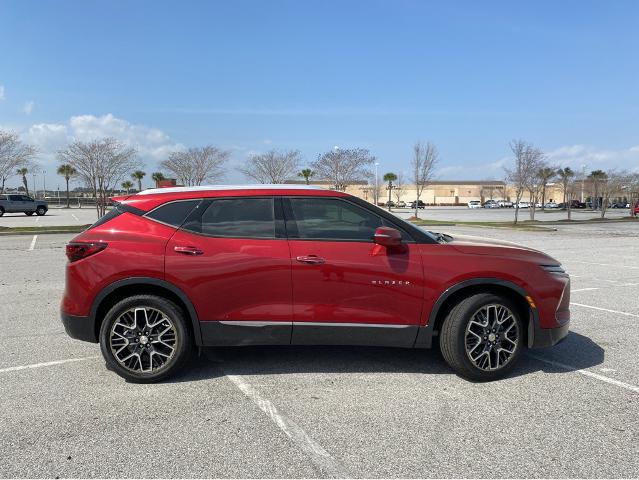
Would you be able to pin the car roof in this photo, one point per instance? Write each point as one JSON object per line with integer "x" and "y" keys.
{"x": 149, "y": 199}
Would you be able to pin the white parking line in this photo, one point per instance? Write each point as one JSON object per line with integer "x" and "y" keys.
{"x": 583, "y": 289}
{"x": 37, "y": 219}
{"x": 76, "y": 218}
{"x": 46, "y": 364}
{"x": 605, "y": 309}
{"x": 587, "y": 373}
{"x": 318, "y": 455}
{"x": 33, "y": 242}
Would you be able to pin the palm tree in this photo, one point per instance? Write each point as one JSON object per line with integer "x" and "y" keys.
{"x": 157, "y": 178}
{"x": 23, "y": 172}
{"x": 390, "y": 177}
{"x": 307, "y": 173}
{"x": 127, "y": 186}
{"x": 138, "y": 175}
{"x": 545, "y": 174}
{"x": 67, "y": 171}
{"x": 565, "y": 174}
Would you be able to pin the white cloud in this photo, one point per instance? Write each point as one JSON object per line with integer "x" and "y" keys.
{"x": 1, "y": 92}
{"x": 28, "y": 107}
{"x": 153, "y": 145}
{"x": 593, "y": 158}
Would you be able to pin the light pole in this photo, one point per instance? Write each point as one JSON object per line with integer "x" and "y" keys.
{"x": 33, "y": 186}
{"x": 583, "y": 179}
{"x": 376, "y": 184}
{"x": 44, "y": 184}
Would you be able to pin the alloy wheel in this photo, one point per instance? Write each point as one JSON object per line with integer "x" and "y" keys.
{"x": 143, "y": 339}
{"x": 492, "y": 337}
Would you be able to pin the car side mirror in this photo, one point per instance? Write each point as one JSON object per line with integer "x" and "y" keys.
{"x": 388, "y": 237}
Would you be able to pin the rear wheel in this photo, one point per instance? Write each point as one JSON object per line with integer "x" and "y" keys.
{"x": 28, "y": 213}
{"x": 482, "y": 337}
{"x": 41, "y": 211}
{"x": 1, "y": 211}
{"x": 145, "y": 338}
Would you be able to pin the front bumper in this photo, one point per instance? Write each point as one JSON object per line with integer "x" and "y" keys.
{"x": 546, "y": 337}
{"x": 81, "y": 328}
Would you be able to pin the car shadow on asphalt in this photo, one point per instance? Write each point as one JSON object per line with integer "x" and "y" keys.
{"x": 574, "y": 353}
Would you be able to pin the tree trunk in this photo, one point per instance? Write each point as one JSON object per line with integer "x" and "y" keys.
{"x": 389, "y": 195}
{"x": 417, "y": 207}
{"x": 139, "y": 186}
{"x": 26, "y": 186}
{"x": 67, "y": 179}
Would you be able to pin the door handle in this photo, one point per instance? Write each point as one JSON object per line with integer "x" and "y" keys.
{"x": 311, "y": 259}
{"x": 187, "y": 250}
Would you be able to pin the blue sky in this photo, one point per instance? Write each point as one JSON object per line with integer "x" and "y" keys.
{"x": 309, "y": 75}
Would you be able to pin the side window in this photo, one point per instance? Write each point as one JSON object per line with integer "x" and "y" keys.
{"x": 15, "y": 198}
{"x": 27, "y": 199}
{"x": 173, "y": 213}
{"x": 332, "y": 219}
{"x": 236, "y": 217}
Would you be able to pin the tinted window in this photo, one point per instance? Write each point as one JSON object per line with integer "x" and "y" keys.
{"x": 326, "y": 218}
{"x": 236, "y": 217}
{"x": 26, "y": 199}
{"x": 173, "y": 213}
{"x": 110, "y": 215}
{"x": 15, "y": 198}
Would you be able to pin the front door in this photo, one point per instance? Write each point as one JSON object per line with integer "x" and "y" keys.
{"x": 347, "y": 289}
{"x": 234, "y": 264}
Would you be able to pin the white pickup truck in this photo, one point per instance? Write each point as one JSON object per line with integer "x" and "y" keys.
{"x": 15, "y": 203}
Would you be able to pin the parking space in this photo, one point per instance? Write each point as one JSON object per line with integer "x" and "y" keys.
{"x": 54, "y": 217}
{"x": 568, "y": 411}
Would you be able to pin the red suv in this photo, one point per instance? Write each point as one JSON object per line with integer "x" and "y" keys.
{"x": 169, "y": 270}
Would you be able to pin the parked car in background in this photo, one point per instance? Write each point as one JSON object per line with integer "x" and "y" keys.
{"x": 401, "y": 204}
{"x": 491, "y": 204}
{"x": 19, "y": 203}
{"x": 421, "y": 204}
{"x": 389, "y": 204}
{"x": 573, "y": 204}
{"x": 523, "y": 205}
{"x": 505, "y": 204}
{"x": 474, "y": 204}
{"x": 166, "y": 272}
{"x": 620, "y": 205}
{"x": 551, "y": 205}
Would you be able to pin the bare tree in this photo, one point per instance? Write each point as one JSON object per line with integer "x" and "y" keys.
{"x": 567, "y": 179}
{"x": 13, "y": 155}
{"x": 101, "y": 164}
{"x": 522, "y": 176}
{"x": 342, "y": 167}
{"x": 614, "y": 183}
{"x": 197, "y": 165}
{"x": 272, "y": 166}
{"x": 425, "y": 158}
{"x": 399, "y": 187}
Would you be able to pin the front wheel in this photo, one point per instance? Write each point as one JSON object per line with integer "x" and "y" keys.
{"x": 145, "y": 338}
{"x": 41, "y": 211}
{"x": 482, "y": 337}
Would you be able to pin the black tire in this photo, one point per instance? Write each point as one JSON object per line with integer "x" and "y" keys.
{"x": 453, "y": 339}
{"x": 28, "y": 214}
{"x": 181, "y": 336}
{"x": 1, "y": 211}
{"x": 40, "y": 211}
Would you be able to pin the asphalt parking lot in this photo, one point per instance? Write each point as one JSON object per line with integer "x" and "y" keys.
{"x": 568, "y": 411}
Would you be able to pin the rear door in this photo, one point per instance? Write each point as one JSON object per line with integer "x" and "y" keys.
{"x": 15, "y": 203}
{"x": 347, "y": 289}
{"x": 232, "y": 259}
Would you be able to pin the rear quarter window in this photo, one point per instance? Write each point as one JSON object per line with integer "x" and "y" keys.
{"x": 173, "y": 213}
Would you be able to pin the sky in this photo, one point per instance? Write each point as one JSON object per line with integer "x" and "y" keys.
{"x": 250, "y": 76}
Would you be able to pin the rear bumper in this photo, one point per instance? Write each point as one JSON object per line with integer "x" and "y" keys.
{"x": 81, "y": 328}
{"x": 547, "y": 337}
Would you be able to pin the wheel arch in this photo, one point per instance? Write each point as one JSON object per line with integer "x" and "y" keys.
{"x": 452, "y": 295}
{"x": 121, "y": 289}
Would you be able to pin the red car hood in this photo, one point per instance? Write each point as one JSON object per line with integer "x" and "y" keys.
{"x": 488, "y": 246}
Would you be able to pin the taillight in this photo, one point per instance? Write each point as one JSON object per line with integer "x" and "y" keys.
{"x": 79, "y": 250}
